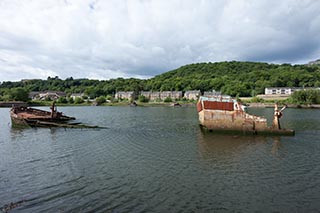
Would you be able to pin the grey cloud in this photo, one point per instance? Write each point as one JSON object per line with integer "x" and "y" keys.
{"x": 108, "y": 39}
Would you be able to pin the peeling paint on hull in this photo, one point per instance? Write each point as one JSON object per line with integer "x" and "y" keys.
{"x": 30, "y": 117}
{"x": 228, "y": 120}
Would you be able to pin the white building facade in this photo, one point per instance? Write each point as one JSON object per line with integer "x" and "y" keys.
{"x": 285, "y": 91}
{"x": 280, "y": 90}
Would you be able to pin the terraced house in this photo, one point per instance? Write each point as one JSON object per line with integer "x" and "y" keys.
{"x": 125, "y": 95}
{"x": 192, "y": 94}
{"x": 52, "y": 95}
{"x": 285, "y": 91}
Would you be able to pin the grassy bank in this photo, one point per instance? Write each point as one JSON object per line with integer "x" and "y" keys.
{"x": 254, "y": 102}
{"x": 258, "y": 102}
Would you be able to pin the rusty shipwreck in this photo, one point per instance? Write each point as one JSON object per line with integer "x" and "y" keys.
{"x": 221, "y": 113}
{"x": 22, "y": 116}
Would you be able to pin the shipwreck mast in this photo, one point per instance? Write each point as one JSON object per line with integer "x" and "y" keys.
{"x": 277, "y": 116}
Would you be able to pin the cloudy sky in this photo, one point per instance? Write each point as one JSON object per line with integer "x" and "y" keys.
{"x": 104, "y": 39}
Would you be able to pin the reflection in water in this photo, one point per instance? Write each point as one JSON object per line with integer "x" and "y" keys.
{"x": 156, "y": 159}
{"x": 16, "y": 133}
{"x": 276, "y": 145}
{"x": 213, "y": 145}
{"x": 220, "y": 145}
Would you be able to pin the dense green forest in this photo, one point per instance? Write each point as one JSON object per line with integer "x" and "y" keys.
{"x": 236, "y": 78}
{"x": 244, "y": 79}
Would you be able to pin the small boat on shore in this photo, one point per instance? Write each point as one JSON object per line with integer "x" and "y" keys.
{"x": 22, "y": 116}
{"x": 221, "y": 113}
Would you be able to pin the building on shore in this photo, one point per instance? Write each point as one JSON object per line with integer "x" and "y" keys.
{"x": 129, "y": 95}
{"x": 174, "y": 95}
{"x": 285, "y": 91}
{"x": 192, "y": 95}
{"x": 76, "y": 95}
{"x": 154, "y": 96}
{"x": 34, "y": 95}
{"x": 165, "y": 94}
{"x": 211, "y": 94}
{"x": 51, "y": 95}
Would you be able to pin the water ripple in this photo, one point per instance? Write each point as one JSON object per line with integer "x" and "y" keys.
{"x": 158, "y": 160}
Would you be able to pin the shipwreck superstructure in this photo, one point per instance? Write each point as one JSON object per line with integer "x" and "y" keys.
{"x": 221, "y": 113}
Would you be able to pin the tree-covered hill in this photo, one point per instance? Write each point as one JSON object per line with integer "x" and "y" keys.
{"x": 232, "y": 78}
{"x": 236, "y": 78}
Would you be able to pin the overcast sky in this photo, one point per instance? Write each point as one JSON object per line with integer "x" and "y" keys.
{"x": 106, "y": 39}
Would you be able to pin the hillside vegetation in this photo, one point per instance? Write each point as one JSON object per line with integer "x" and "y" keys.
{"x": 245, "y": 79}
{"x": 236, "y": 78}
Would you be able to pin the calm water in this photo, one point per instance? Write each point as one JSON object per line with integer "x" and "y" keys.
{"x": 156, "y": 159}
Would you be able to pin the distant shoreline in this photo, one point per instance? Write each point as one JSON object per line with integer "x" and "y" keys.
{"x": 271, "y": 105}
{"x": 11, "y": 103}
{"x": 4, "y": 104}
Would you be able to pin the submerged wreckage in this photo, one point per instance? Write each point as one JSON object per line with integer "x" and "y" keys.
{"x": 221, "y": 113}
{"x": 22, "y": 116}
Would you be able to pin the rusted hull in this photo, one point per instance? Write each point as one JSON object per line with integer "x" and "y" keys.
{"x": 223, "y": 121}
{"x": 18, "y": 122}
{"x": 31, "y": 117}
{"x": 268, "y": 132}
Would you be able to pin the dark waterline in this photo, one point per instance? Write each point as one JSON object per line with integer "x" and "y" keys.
{"x": 156, "y": 159}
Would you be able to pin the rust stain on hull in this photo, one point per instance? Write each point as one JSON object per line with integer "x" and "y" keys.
{"x": 227, "y": 116}
{"x": 29, "y": 117}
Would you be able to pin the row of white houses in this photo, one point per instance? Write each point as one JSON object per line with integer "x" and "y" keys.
{"x": 285, "y": 91}
{"x": 130, "y": 95}
{"x": 153, "y": 96}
